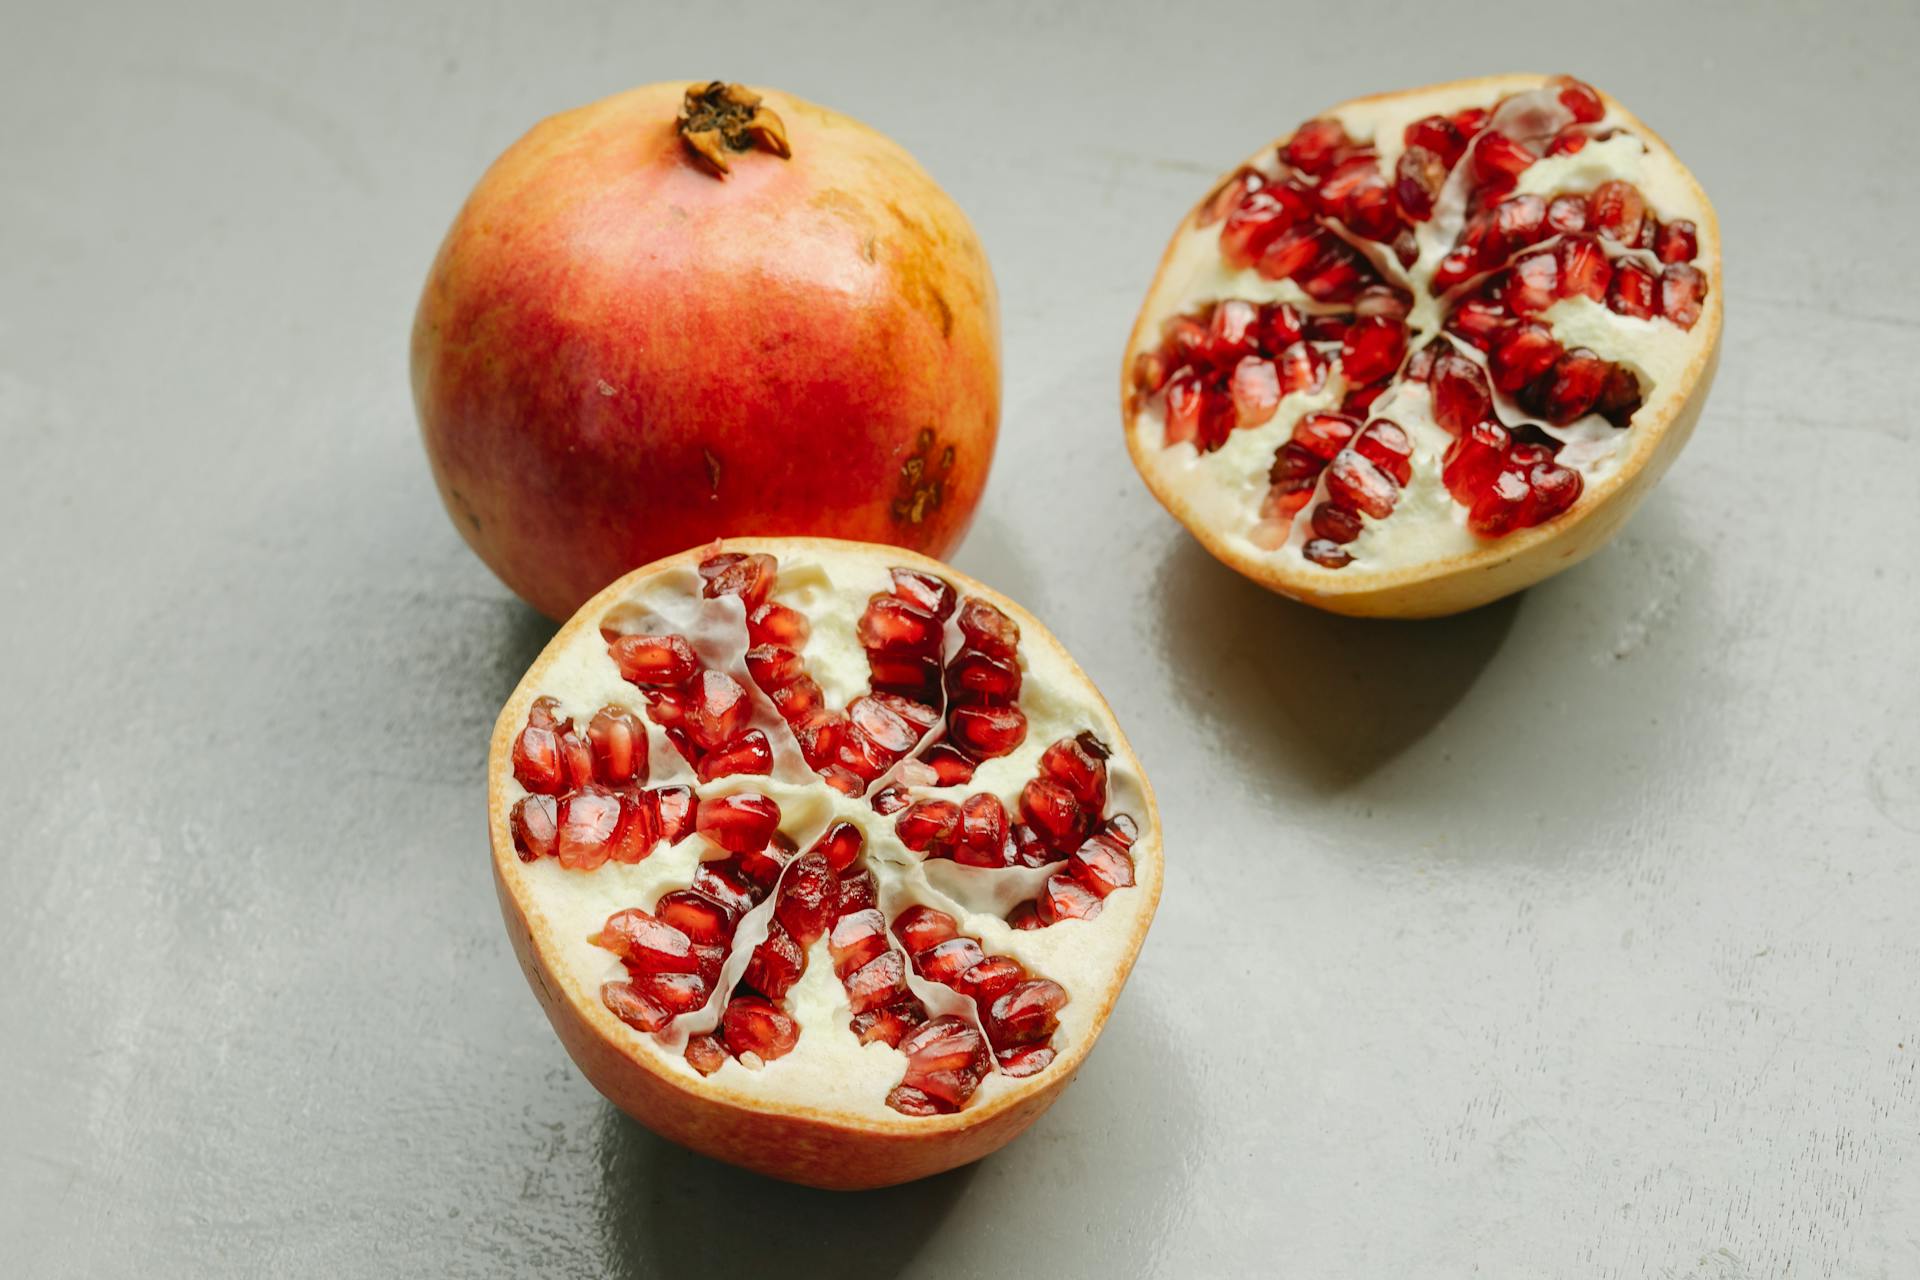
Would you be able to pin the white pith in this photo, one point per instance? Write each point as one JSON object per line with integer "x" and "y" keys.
{"x": 1226, "y": 488}
{"x": 829, "y": 1070}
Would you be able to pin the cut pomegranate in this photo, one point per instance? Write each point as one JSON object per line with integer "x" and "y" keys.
{"x": 1538, "y": 262}
{"x": 830, "y": 823}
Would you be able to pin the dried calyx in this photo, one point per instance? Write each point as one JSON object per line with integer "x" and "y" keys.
{"x": 720, "y": 118}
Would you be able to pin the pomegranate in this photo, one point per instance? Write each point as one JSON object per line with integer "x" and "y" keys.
{"x": 822, "y": 858}
{"x": 1429, "y": 349}
{"x": 685, "y": 313}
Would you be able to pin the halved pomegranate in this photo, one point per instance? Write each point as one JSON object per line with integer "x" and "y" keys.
{"x": 1431, "y": 348}
{"x": 822, "y": 858}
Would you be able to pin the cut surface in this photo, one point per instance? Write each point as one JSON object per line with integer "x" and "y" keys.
{"x": 833, "y": 742}
{"x": 1429, "y": 348}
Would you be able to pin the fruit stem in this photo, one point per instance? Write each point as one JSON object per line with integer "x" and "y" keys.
{"x": 718, "y": 117}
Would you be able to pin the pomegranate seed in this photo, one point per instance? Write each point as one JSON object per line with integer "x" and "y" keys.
{"x": 750, "y": 753}
{"x": 1580, "y": 98}
{"x": 1551, "y": 490}
{"x": 839, "y": 845}
{"x": 1024, "y": 1060}
{"x": 677, "y": 993}
{"x": 1474, "y": 459}
{"x": 1497, "y": 510}
{"x": 738, "y": 823}
{"x": 1568, "y": 141}
{"x": 1615, "y": 210}
{"x": 932, "y": 594}
{"x": 1532, "y": 284}
{"x": 753, "y": 1026}
{"x": 748, "y": 576}
{"x": 1229, "y": 333}
{"x": 880, "y": 981}
{"x": 1101, "y": 866}
{"x": 1302, "y": 368}
{"x": 1373, "y": 349}
{"x": 589, "y": 819}
{"x": 704, "y": 1054}
{"x": 1295, "y": 468}
{"x": 773, "y": 667}
{"x": 1312, "y": 147}
{"x": 809, "y": 893}
{"x": 1054, "y": 814}
{"x": 1683, "y": 289}
{"x": 672, "y": 813}
{"x": 1338, "y": 276}
{"x": 1347, "y": 176}
{"x": 987, "y": 629}
{"x": 1079, "y": 764}
{"x": 1525, "y": 453}
{"x": 892, "y": 625}
{"x": 991, "y": 978}
{"x": 619, "y": 746}
{"x": 1360, "y": 399}
{"x": 638, "y": 830}
{"x": 1620, "y": 397}
{"x": 928, "y": 824}
{"x": 1523, "y": 354}
{"x": 946, "y": 1060}
{"x": 858, "y": 937}
{"x": 1567, "y": 214}
{"x": 1383, "y": 300}
{"x": 858, "y": 892}
{"x": 536, "y": 752}
{"x": 1225, "y": 197}
{"x": 1387, "y": 447}
{"x": 983, "y": 823}
{"x": 885, "y": 727}
{"x": 1064, "y": 898}
{"x": 1632, "y": 291}
{"x": 1676, "y": 241}
{"x": 1517, "y": 223}
{"x": 1455, "y": 269}
{"x": 1354, "y": 481}
{"x": 1336, "y": 524}
{"x": 1123, "y": 829}
{"x": 1498, "y": 160}
{"x": 775, "y": 965}
{"x": 915, "y": 675}
{"x": 912, "y": 1102}
{"x": 1570, "y": 388}
{"x": 1258, "y": 219}
{"x": 920, "y": 927}
{"x": 536, "y": 827}
{"x": 1470, "y": 121}
{"x": 987, "y": 732}
{"x": 951, "y": 767}
{"x": 728, "y": 884}
{"x": 646, "y": 943}
{"x": 694, "y": 914}
{"x": 625, "y": 1002}
{"x": 1370, "y": 211}
{"x": 577, "y": 755}
{"x": 720, "y": 709}
{"x": 1584, "y": 269}
{"x": 1417, "y": 178}
{"x": 890, "y": 800}
{"x": 976, "y": 677}
{"x": 1027, "y": 1013}
{"x": 889, "y": 1025}
{"x": 1025, "y": 916}
{"x": 1280, "y": 326}
{"x": 653, "y": 661}
{"x": 798, "y": 700}
{"x": 1460, "y": 395}
{"x": 1256, "y": 391}
{"x": 944, "y": 962}
{"x": 1479, "y": 321}
{"x": 1438, "y": 135}
{"x": 1293, "y": 251}
{"x": 776, "y": 624}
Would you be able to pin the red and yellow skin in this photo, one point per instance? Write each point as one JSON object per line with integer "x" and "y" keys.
{"x": 619, "y": 354}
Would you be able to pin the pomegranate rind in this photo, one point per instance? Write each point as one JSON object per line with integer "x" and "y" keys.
{"x": 823, "y": 1146}
{"x": 1452, "y": 583}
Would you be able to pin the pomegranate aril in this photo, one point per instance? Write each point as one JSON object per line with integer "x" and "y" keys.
{"x": 704, "y": 921}
{"x": 1025, "y": 915}
{"x": 1676, "y": 241}
{"x": 988, "y": 629}
{"x": 1228, "y": 195}
{"x": 750, "y": 753}
{"x": 944, "y": 962}
{"x": 951, "y": 766}
{"x": 638, "y": 830}
{"x": 535, "y": 823}
{"x": 883, "y": 724}
{"x": 932, "y": 594}
{"x": 890, "y": 1024}
{"x": 1460, "y": 395}
{"x": 673, "y": 813}
{"x": 719, "y": 709}
{"x": 1532, "y": 283}
{"x": 1257, "y": 220}
{"x": 1064, "y": 898}
{"x": 1517, "y": 223}
{"x": 1498, "y": 160}
{"x": 619, "y": 746}
{"x": 646, "y": 943}
{"x": 1328, "y": 555}
{"x": 839, "y": 845}
{"x": 1683, "y": 290}
{"x": 920, "y": 927}
{"x": 989, "y": 979}
{"x": 809, "y": 894}
{"x": 1024, "y": 1060}
{"x": 1301, "y": 368}
{"x": 1619, "y": 397}
{"x": 1102, "y": 866}
{"x": 536, "y": 760}
{"x": 911, "y": 1102}
{"x": 1417, "y": 178}
{"x": 754, "y": 1026}
{"x": 748, "y": 576}
{"x": 625, "y": 1002}
{"x": 1281, "y": 325}
{"x": 774, "y": 667}
{"x": 728, "y": 883}
{"x": 577, "y": 756}
{"x": 589, "y": 819}
{"x": 1584, "y": 268}
{"x": 1370, "y": 210}
{"x": 704, "y": 1054}
{"x": 1631, "y": 293}
{"x": 856, "y": 939}
{"x": 1335, "y": 523}
{"x": 1313, "y": 146}
{"x": 1567, "y": 214}
{"x": 653, "y": 661}
{"x": 979, "y": 678}
{"x": 1569, "y": 389}
{"x": 928, "y": 824}
{"x": 1322, "y": 435}
{"x": 879, "y": 982}
{"x": 1295, "y": 469}
{"x": 1387, "y": 447}
{"x": 1025, "y": 1014}
{"x": 1338, "y": 276}
{"x": 1474, "y": 459}
{"x": 738, "y": 823}
{"x": 1524, "y": 353}
{"x": 1256, "y": 391}
{"x": 1479, "y": 321}
{"x": 1567, "y": 142}
{"x": 1183, "y": 408}
{"x": 1497, "y": 510}
{"x": 776, "y": 624}
{"x": 677, "y": 993}
{"x": 890, "y": 800}
{"x": 983, "y": 825}
{"x": 1054, "y": 814}
{"x": 1616, "y": 210}
{"x": 1551, "y": 490}
{"x": 892, "y": 625}
{"x": 987, "y": 732}
{"x": 1293, "y": 251}
{"x": 1354, "y": 481}
{"x": 1373, "y": 349}
{"x": 1229, "y": 332}
{"x": 858, "y": 891}
{"x": 798, "y": 700}
{"x": 1580, "y": 98}
{"x": 775, "y": 964}
{"x": 1438, "y": 135}
{"x": 1079, "y": 764}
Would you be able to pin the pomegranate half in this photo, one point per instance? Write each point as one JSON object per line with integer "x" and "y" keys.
{"x": 683, "y": 313}
{"x": 822, "y": 858}
{"x": 1431, "y": 347}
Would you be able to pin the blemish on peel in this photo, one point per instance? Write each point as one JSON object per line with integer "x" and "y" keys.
{"x": 605, "y": 388}
{"x": 713, "y": 473}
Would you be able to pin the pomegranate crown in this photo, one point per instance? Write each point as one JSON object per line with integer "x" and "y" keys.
{"x": 717, "y": 118}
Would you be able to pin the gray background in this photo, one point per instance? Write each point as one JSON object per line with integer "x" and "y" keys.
{"x": 1573, "y": 937}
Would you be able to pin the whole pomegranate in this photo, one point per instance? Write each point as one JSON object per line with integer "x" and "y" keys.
{"x": 682, "y": 313}
{"x": 822, "y": 858}
{"x": 1431, "y": 347}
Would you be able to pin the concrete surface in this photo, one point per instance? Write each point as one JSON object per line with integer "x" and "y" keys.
{"x": 1574, "y": 937}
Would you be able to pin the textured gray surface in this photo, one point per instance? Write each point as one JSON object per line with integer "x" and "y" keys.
{"x": 1573, "y": 937}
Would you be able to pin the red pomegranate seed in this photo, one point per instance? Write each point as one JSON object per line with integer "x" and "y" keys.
{"x": 694, "y": 914}
{"x": 976, "y": 677}
{"x": 704, "y": 1054}
{"x": 987, "y": 732}
{"x": 646, "y": 943}
{"x": 1676, "y": 241}
{"x": 1568, "y": 141}
{"x": 1347, "y": 176}
{"x": 1293, "y": 251}
{"x": 1373, "y": 349}
{"x": 1024, "y": 1060}
{"x": 1054, "y": 814}
{"x": 1370, "y": 211}
{"x": 1256, "y": 391}
{"x": 892, "y": 625}
{"x": 775, "y": 965}
{"x": 1026, "y": 915}
{"x": 1258, "y": 219}
{"x": 625, "y": 1002}
{"x": 932, "y": 594}
{"x": 858, "y": 937}
{"x": 990, "y": 979}
{"x": 928, "y": 824}
{"x": 1616, "y": 210}
{"x": 1532, "y": 284}
{"x": 653, "y": 661}
{"x": 1025, "y": 1014}
{"x": 536, "y": 752}
{"x": 778, "y": 625}
{"x": 1524, "y": 353}
{"x": 883, "y": 726}
{"x": 1570, "y": 388}
{"x": 987, "y": 629}
{"x": 1227, "y": 196}
{"x": 1354, "y": 481}
{"x": 1580, "y": 98}
{"x": 944, "y": 962}
{"x": 983, "y": 823}
{"x": 1302, "y": 368}
{"x": 1387, "y": 447}
{"x": 1497, "y": 510}
{"x": 1229, "y": 333}
{"x": 1312, "y": 147}
{"x": 1438, "y": 135}
{"x": 748, "y": 576}
{"x": 1064, "y": 898}
{"x": 1473, "y": 460}
{"x": 1469, "y": 121}
{"x": 950, "y": 765}
{"x": 589, "y": 820}
{"x": 1498, "y": 160}
{"x": 1102, "y": 866}
{"x": 728, "y": 884}
{"x": 773, "y": 667}
{"x": 1525, "y": 452}
{"x": 720, "y": 710}
{"x": 1328, "y": 555}
{"x": 750, "y": 753}
{"x": 858, "y": 892}
{"x": 1567, "y": 214}
{"x": 1183, "y": 407}
{"x": 1551, "y": 490}
{"x": 890, "y": 800}
{"x": 638, "y": 830}
{"x": 1338, "y": 276}
{"x": 672, "y": 813}
{"x": 809, "y": 894}
{"x": 619, "y": 746}
{"x": 839, "y": 845}
{"x": 738, "y": 823}
{"x": 1336, "y": 524}
{"x": 1683, "y": 290}
{"x": 1632, "y": 291}
{"x": 798, "y": 700}
{"x": 1417, "y": 178}
{"x": 1460, "y": 395}
{"x": 754, "y": 1026}
{"x": 1479, "y": 321}
{"x": 889, "y": 1025}
{"x": 920, "y": 927}
{"x": 1281, "y": 325}
{"x": 946, "y": 1059}
{"x": 1295, "y": 470}
{"x": 577, "y": 756}
{"x": 1517, "y": 223}
{"x": 1079, "y": 764}
{"x": 536, "y": 826}
{"x": 879, "y": 982}
{"x": 1620, "y": 397}
{"x": 1322, "y": 435}
{"x": 1584, "y": 269}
